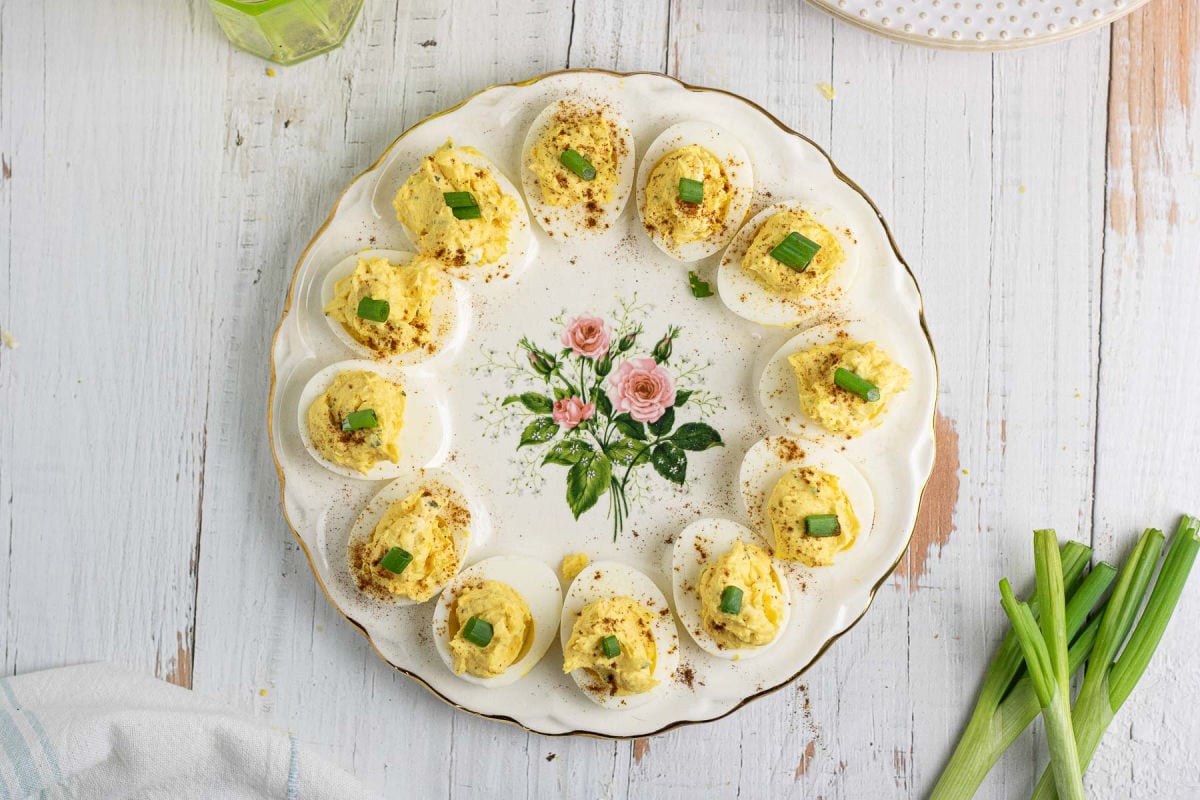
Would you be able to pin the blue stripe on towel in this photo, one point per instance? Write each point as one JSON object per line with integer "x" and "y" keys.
{"x": 293, "y": 778}
{"x": 17, "y": 751}
{"x": 38, "y": 730}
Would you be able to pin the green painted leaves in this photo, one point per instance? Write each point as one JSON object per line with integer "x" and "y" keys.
{"x": 662, "y": 426}
{"x": 630, "y": 427}
{"x": 568, "y": 452}
{"x": 540, "y": 430}
{"x": 669, "y": 457}
{"x": 626, "y": 451}
{"x": 537, "y": 403}
{"x": 670, "y": 462}
{"x": 578, "y": 412}
{"x": 587, "y": 479}
{"x": 603, "y": 404}
{"x": 696, "y": 436}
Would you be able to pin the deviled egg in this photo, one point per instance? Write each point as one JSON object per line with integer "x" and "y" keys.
{"x": 694, "y": 189}
{"x": 394, "y": 305}
{"x": 577, "y": 167}
{"x": 790, "y": 261}
{"x": 809, "y": 499}
{"x": 832, "y": 377}
{"x": 728, "y": 593}
{"x": 458, "y": 208}
{"x": 412, "y": 537}
{"x": 363, "y": 420}
{"x": 495, "y": 621}
{"x": 618, "y": 636}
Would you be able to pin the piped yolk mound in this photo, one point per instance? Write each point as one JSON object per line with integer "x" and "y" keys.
{"x": 836, "y": 409}
{"x": 359, "y": 450}
{"x": 428, "y": 523}
{"x": 409, "y": 290}
{"x": 589, "y": 133}
{"x": 506, "y": 611}
{"x": 804, "y": 492}
{"x": 748, "y": 567}
{"x": 632, "y": 670}
{"x": 780, "y": 278}
{"x": 679, "y": 222}
{"x": 421, "y": 207}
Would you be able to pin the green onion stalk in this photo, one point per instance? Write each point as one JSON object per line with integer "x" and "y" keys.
{"x": 1044, "y": 643}
{"x": 1007, "y": 701}
{"x": 1108, "y": 679}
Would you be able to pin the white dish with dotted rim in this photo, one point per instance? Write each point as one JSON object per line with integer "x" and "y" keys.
{"x": 978, "y": 24}
{"x": 708, "y": 380}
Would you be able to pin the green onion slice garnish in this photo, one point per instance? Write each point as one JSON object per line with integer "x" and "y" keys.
{"x": 731, "y": 600}
{"x": 699, "y": 288}
{"x": 574, "y": 161}
{"x": 462, "y": 204}
{"x": 477, "y": 631}
{"x": 396, "y": 560}
{"x": 610, "y": 646}
{"x": 374, "y": 310}
{"x": 360, "y": 420}
{"x": 856, "y": 385}
{"x": 822, "y": 525}
{"x": 459, "y": 199}
{"x": 796, "y": 251}
{"x": 691, "y": 191}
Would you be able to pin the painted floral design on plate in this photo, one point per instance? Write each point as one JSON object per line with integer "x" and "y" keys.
{"x": 606, "y": 405}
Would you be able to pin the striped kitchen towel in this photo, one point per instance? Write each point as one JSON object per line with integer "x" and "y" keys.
{"x": 98, "y": 731}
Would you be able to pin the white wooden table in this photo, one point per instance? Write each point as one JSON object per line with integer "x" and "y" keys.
{"x": 158, "y": 186}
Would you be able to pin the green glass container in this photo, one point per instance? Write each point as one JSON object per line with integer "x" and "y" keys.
{"x": 286, "y": 31}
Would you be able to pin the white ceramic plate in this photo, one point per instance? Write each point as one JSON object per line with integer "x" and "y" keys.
{"x": 716, "y": 357}
{"x": 978, "y": 24}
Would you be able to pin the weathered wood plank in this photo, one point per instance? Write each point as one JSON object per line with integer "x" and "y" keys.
{"x": 1148, "y": 437}
{"x": 108, "y": 287}
{"x": 1027, "y": 456}
{"x": 626, "y": 37}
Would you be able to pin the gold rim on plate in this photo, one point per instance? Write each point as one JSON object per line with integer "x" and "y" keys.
{"x": 287, "y": 305}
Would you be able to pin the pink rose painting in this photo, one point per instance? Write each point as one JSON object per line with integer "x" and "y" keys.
{"x": 587, "y": 336}
{"x": 643, "y": 388}
{"x": 606, "y": 412}
{"x": 570, "y": 411}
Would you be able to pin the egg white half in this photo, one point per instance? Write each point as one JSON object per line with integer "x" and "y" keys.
{"x": 476, "y": 533}
{"x": 538, "y": 586}
{"x": 521, "y": 245}
{"x": 747, "y": 298}
{"x": 450, "y": 311}
{"x": 733, "y": 157}
{"x": 696, "y": 546}
{"x": 773, "y": 457}
{"x": 602, "y": 579}
{"x": 423, "y": 438}
{"x": 567, "y": 222}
